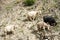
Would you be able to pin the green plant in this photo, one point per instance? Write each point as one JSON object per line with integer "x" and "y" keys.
{"x": 29, "y": 2}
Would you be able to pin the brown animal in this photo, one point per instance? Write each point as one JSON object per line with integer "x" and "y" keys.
{"x": 43, "y": 26}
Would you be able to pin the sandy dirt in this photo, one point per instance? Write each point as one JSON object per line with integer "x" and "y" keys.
{"x": 13, "y": 12}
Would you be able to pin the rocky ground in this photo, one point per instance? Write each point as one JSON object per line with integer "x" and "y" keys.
{"x": 13, "y": 12}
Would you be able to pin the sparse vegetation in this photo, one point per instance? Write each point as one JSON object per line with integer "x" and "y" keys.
{"x": 18, "y": 13}
{"x": 8, "y": 7}
{"x": 29, "y": 2}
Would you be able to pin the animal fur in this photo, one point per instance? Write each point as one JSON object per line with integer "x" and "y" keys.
{"x": 31, "y": 15}
{"x": 43, "y": 26}
{"x": 50, "y": 20}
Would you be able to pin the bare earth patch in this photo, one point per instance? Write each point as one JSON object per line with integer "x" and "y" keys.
{"x": 13, "y": 12}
